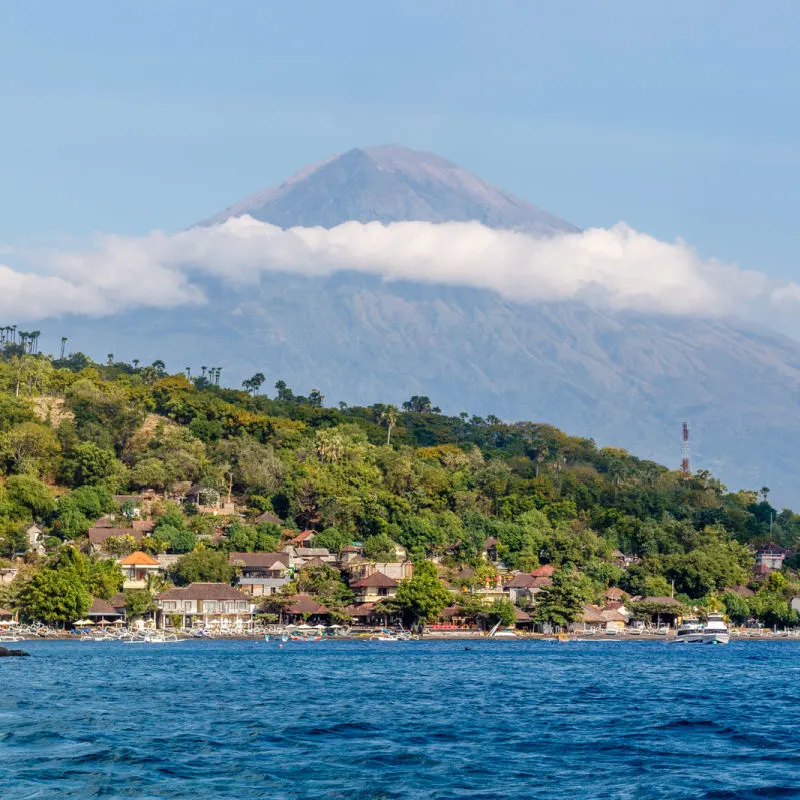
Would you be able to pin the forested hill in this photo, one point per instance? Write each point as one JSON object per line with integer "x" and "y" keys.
{"x": 74, "y": 432}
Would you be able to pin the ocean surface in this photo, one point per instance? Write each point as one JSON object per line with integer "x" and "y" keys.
{"x": 374, "y": 721}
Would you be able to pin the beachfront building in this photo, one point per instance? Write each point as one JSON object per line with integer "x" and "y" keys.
{"x": 101, "y": 612}
{"x": 136, "y": 568}
{"x": 210, "y": 605}
{"x": 358, "y": 568}
{"x": 374, "y": 588}
{"x": 524, "y": 586}
{"x": 261, "y": 574}
{"x": 305, "y": 609}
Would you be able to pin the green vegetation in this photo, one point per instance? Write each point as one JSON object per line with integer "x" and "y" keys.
{"x": 73, "y": 433}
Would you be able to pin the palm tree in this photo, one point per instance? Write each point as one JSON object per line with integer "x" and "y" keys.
{"x": 63, "y": 345}
{"x": 135, "y": 363}
{"x": 110, "y": 359}
{"x": 389, "y": 416}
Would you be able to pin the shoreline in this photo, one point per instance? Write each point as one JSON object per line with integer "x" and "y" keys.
{"x": 461, "y": 636}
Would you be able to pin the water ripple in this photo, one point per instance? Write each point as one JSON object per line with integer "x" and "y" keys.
{"x": 360, "y": 721}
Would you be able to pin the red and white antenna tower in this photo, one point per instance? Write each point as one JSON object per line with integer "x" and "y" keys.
{"x": 685, "y": 470}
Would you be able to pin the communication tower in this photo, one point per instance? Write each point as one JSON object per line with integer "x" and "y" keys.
{"x": 685, "y": 470}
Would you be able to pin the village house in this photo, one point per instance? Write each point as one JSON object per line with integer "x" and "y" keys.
{"x": 101, "y": 612}
{"x": 303, "y": 539}
{"x": 306, "y": 609}
{"x": 261, "y": 574}
{"x": 268, "y": 517}
{"x": 374, "y": 587}
{"x": 99, "y": 535}
{"x": 208, "y": 501}
{"x": 136, "y": 568}
{"x": 350, "y": 552}
{"x": 358, "y": 568}
{"x": 795, "y": 604}
{"x": 769, "y": 558}
{"x": 616, "y": 595}
{"x": 7, "y": 574}
{"x": 302, "y": 555}
{"x": 524, "y": 586}
{"x": 34, "y": 537}
{"x": 211, "y": 605}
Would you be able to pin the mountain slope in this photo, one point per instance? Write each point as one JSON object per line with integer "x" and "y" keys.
{"x": 625, "y": 379}
{"x": 390, "y": 184}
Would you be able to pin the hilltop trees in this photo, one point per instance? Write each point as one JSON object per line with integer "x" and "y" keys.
{"x": 423, "y": 596}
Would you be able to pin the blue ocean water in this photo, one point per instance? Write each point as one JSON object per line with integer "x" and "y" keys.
{"x": 375, "y": 721}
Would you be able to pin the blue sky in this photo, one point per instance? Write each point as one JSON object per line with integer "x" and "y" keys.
{"x": 679, "y": 118}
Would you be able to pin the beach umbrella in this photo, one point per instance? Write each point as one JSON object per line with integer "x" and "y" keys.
{"x": 320, "y": 627}
{"x": 118, "y": 622}
{"x": 303, "y": 627}
{"x": 81, "y": 622}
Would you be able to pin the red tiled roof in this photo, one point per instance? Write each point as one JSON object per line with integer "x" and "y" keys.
{"x": 139, "y": 559}
{"x": 304, "y": 536}
{"x": 545, "y": 571}
{"x": 377, "y": 579}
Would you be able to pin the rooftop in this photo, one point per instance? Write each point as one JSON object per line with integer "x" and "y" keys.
{"x": 139, "y": 559}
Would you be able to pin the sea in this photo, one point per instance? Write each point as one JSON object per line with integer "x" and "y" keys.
{"x": 380, "y": 720}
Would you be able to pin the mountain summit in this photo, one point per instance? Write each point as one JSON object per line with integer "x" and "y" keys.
{"x": 390, "y": 184}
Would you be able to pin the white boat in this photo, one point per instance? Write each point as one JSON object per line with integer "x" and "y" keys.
{"x": 690, "y": 631}
{"x": 715, "y": 631}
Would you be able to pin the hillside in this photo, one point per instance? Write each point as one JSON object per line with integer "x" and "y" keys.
{"x": 439, "y": 486}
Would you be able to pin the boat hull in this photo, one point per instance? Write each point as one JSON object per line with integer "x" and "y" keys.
{"x": 717, "y": 637}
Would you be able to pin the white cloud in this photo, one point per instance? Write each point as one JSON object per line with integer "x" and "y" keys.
{"x": 617, "y": 268}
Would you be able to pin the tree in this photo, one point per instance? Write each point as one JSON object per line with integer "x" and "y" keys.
{"x": 29, "y": 497}
{"x": 178, "y": 540}
{"x": 736, "y": 607}
{"x": 89, "y": 464}
{"x": 54, "y": 597}
{"x": 380, "y": 548}
{"x": 30, "y": 448}
{"x": 562, "y": 602}
{"x": 120, "y": 545}
{"x": 419, "y": 404}
{"x": 138, "y": 603}
{"x": 388, "y": 416}
{"x": 423, "y": 596}
{"x": 202, "y": 566}
{"x": 502, "y": 611}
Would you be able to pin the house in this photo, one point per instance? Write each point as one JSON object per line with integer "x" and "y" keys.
{"x": 34, "y": 537}
{"x": 101, "y": 612}
{"x": 374, "y": 587}
{"x": 795, "y": 604}
{"x": 358, "y": 568}
{"x": 620, "y": 559}
{"x": 208, "y": 501}
{"x": 99, "y": 536}
{"x": 133, "y": 502}
{"x": 210, "y": 605}
{"x": 136, "y": 568}
{"x": 146, "y": 526}
{"x": 261, "y": 574}
{"x": 350, "y": 552}
{"x": 615, "y": 619}
{"x": 6, "y": 616}
{"x": 616, "y": 595}
{"x": 304, "y": 554}
{"x": 303, "y": 539}
{"x": 769, "y": 559}
{"x": 268, "y": 517}
{"x": 7, "y": 574}
{"x": 742, "y": 591}
{"x": 524, "y": 586}
{"x": 306, "y": 609}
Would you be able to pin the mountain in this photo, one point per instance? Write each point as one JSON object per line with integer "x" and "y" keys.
{"x": 625, "y": 379}
{"x": 390, "y": 184}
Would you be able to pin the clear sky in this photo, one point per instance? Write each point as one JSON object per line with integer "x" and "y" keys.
{"x": 680, "y": 118}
